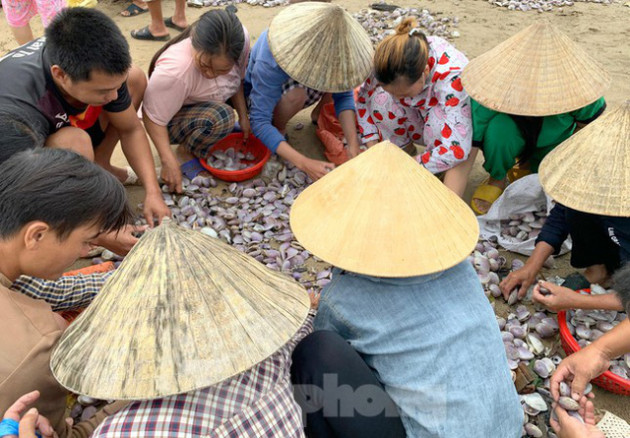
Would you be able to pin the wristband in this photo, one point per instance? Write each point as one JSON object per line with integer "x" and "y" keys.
{"x": 12, "y": 427}
{"x": 9, "y": 427}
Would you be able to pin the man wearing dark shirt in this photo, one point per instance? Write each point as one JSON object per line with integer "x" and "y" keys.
{"x": 76, "y": 88}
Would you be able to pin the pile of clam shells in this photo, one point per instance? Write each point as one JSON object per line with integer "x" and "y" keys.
{"x": 267, "y": 3}
{"x": 524, "y": 226}
{"x": 231, "y": 159}
{"x": 538, "y": 403}
{"x": 487, "y": 262}
{"x": 587, "y": 326}
{"x": 252, "y": 216}
{"x": 379, "y": 24}
{"x": 523, "y": 334}
{"x": 540, "y": 5}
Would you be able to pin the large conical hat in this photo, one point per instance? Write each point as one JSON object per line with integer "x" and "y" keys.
{"x": 321, "y": 46}
{"x": 183, "y": 311}
{"x": 383, "y": 214}
{"x": 537, "y": 72}
{"x": 590, "y": 171}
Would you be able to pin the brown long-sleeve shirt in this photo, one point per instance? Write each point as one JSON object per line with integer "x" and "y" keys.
{"x": 28, "y": 331}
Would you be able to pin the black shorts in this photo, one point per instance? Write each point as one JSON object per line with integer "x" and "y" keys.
{"x": 96, "y": 134}
{"x": 591, "y": 243}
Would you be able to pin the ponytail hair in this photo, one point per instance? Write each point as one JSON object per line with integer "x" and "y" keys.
{"x": 217, "y": 32}
{"x": 403, "y": 54}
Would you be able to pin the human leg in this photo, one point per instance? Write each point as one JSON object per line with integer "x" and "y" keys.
{"x": 500, "y": 154}
{"x": 74, "y": 139}
{"x": 179, "y": 15}
{"x": 18, "y": 14}
{"x": 592, "y": 248}
{"x": 48, "y": 9}
{"x": 291, "y": 103}
{"x": 198, "y": 127}
{"x": 326, "y": 98}
{"x": 105, "y": 145}
{"x": 156, "y": 28}
{"x": 456, "y": 178}
{"x": 338, "y": 393}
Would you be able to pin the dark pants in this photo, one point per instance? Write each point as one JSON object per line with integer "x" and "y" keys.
{"x": 593, "y": 240}
{"x": 338, "y": 393}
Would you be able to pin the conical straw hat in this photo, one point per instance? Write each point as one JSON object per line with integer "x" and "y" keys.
{"x": 183, "y": 311}
{"x": 321, "y": 46}
{"x": 537, "y": 72}
{"x": 383, "y": 214}
{"x": 590, "y": 171}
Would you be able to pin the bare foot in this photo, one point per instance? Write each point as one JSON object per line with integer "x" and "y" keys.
{"x": 484, "y": 206}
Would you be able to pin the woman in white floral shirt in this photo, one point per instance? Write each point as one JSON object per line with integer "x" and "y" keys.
{"x": 415, "y": 95}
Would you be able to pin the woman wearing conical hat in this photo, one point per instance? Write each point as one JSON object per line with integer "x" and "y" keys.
{"x": 311, "y": 52}
{"x": 589, "y": 178}
{"x": 403, "y": 295}
{"x": 415, "y": 95}
{"x": 199, "y": 338}
{"x": 529, "y": 94}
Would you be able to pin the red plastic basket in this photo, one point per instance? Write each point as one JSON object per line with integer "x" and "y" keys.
{"x": 235, "y": 140}
{"x": 609, "y": 381}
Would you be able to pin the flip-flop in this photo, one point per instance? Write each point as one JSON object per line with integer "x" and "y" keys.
{"x": 169, "y": 23}
{"x": 516, "y": 173}
{"x": 576, "y": 281}
{"x": 383, "y": 7}
{"x": 146, "y": 35}
{"x": 485, "y": 192}
{"x": 133, "y": 10}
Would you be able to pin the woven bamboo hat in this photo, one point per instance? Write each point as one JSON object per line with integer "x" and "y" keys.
{"x": 383, "y": 214}
{"x": 183, "y": 311}
{"x": 537, "y": 72}
{"x": 590, "y": 171}
{"x": 321, "y": 46}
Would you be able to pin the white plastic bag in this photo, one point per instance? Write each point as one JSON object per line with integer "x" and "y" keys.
{"x": 522, "y": 196}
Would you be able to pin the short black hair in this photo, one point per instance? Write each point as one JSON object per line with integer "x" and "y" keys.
{"x": 621, "y": 285}
{"x": 17, "y": 133}
{"x": 62, "y": 189}
{"x": 81, "y": 40}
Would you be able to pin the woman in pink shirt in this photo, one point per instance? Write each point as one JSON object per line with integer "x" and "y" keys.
{"x": 195, "y": 84}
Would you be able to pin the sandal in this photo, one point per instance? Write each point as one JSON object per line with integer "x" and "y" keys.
{"x": 146, "y": 35}
{"x": 132, "y": 177}
{"x": 517, "y": 173}
{"x": 169, "y": 23}
{"x": 485, "y": 192}
{"x": 133, "y": 10}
